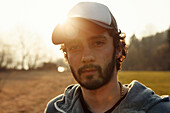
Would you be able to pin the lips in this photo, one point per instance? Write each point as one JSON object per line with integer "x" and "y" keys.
{"x": 88, "y": 71}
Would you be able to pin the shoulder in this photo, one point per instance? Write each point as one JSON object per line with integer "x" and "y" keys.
{"x": 162, "y": 107}
{"x": 50, "y": 106}
{"x": 61, "y": 102}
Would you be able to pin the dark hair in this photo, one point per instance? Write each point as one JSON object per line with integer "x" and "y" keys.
{"x": 119, "y": 44}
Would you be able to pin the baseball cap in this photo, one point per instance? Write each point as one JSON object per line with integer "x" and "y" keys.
{"x": 84, "y": 14}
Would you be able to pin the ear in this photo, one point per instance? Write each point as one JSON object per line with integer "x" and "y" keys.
{"x": 118, "y": 52}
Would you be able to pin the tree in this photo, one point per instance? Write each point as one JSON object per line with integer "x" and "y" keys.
{"x": 30, "y": 47}
{"x": 134, "y": 55}
{"x": 168, "y": 36}
{"x": 5, "y": 57}
{"x": 21, "y": 49}
{"x": 151, "y": 53}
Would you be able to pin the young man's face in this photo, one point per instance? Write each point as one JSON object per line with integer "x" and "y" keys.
{"x": 91, "y": 57}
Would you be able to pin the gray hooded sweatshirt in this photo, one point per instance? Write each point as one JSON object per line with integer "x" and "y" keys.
{"x": 139, "y": 99}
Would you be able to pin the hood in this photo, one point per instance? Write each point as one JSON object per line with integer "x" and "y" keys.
{"x": 139, "y": 98}
{"x": 69, "y": 99}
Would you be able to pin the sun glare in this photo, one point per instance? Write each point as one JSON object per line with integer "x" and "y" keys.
{"x": 62, "y": 20}
{"x": 61, "y": 69}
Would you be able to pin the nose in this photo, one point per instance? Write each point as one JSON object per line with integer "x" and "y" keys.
{"x": 87, "y": 56}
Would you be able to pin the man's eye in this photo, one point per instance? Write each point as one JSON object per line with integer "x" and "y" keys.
{"x": 98, "y": 43}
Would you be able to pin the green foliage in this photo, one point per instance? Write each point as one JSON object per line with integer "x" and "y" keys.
{"x": 168, "y": 38}
{"x": 150, "y": 53}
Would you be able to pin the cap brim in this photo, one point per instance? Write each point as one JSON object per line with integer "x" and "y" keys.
{"x": 69, "y": 30}
{"x": 58, "y": 35}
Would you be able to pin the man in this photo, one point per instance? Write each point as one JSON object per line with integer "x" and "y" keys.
{"x": 95, "y": 48}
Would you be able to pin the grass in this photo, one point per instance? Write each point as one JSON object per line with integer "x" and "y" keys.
{"x": 29, "y": 91}
{"x": 158, "y": 81}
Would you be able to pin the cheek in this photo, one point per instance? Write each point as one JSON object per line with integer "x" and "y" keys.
{"x": 74, "y": 60}
{"x": 106, "y": 55}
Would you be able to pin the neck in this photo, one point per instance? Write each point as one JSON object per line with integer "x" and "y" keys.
{"x": 102, "y": 99}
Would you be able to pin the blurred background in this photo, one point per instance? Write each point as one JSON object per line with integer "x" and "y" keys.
{"x": 33, "y": 70}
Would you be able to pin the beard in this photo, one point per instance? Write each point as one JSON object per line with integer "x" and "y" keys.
{"x": 102, "y": 78}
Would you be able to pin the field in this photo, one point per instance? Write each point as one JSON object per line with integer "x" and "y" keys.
{"x": 29, "y": 91}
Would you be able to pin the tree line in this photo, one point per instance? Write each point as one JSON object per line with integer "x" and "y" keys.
{"x": 22, "y": 49}
{"x": 149, "y": 53}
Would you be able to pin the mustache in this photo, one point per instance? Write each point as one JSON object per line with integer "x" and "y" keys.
{"x": 97, "y": 67}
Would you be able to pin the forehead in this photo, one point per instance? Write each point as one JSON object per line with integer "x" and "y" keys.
{"x": 83, "y": 36}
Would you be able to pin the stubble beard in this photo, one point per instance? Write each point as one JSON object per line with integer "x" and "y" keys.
{"x": 104, "y": 76}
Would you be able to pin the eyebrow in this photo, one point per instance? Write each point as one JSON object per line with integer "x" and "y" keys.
{"x": 91, "y": 38}
{"x": 97, "y": 37}
{"x": 70, "y": 42}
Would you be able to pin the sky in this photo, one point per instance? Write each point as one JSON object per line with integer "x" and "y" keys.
{"x": 139, "y": 17}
